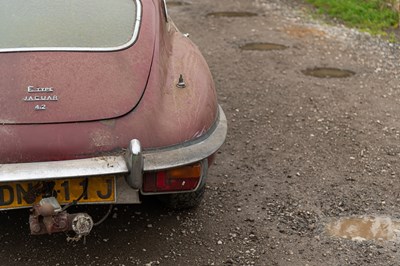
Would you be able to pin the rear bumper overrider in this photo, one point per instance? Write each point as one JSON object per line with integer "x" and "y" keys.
{"x": 132, "y": 165}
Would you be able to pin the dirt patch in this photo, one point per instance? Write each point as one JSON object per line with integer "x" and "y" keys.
{"x": 302, "y": 31}
{"x": 231, "y": 14}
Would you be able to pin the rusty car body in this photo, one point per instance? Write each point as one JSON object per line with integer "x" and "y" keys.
{"x": 101, "y": 103}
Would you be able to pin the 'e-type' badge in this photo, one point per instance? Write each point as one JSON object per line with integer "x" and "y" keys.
{"x": 32, "y": 89}
{"x": 40, "y": 98}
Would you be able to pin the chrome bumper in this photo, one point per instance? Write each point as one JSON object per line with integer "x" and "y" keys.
{"x": 132, "y": 164}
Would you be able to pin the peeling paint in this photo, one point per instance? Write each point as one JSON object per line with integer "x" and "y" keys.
{"x": 102, "y": 138}
{"x": 199, "y": 133}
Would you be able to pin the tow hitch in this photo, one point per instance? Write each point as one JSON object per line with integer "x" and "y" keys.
{"x": 49, "y": 217}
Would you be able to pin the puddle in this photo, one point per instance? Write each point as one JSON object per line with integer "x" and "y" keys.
{"x": 365, "y": 228}
{"x": 326, "y": 72}
{"x": 177, "y": 3}
{"x": 263, "y": 46}
{"x": 232, "y": 14}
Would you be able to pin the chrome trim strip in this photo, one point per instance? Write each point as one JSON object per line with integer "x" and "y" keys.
{"x": 134, "y": 159}
{"x": 169, "y": 158}
{"x": 87, "y": 49}
{"x": 166, "y": 11}
{"x": 63, "y": 169}
{"x": 108, "y": 165}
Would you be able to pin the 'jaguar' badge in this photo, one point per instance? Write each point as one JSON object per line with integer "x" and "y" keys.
{"x": 43, "y": 94}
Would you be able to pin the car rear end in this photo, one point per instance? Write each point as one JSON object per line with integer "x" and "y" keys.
{"x": 100, "y": 104}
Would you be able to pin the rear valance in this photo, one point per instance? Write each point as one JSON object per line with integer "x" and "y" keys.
{"x": 48, "y": 25}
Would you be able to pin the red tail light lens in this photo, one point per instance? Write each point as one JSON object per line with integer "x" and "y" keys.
{"x": 183, "y": 178}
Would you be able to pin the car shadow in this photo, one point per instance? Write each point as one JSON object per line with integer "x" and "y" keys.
{"x": 129, "y": 231}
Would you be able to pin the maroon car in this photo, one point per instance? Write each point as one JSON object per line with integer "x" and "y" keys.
{"x": 101, "y": 102}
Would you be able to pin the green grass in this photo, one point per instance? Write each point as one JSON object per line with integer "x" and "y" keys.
{"x": 374, "y": 16}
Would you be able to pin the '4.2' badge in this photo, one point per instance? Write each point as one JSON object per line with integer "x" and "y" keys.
{"x": 40, "y": 107}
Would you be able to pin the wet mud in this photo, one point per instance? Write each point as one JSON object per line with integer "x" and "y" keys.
{"x": 365, "y": 228}
{"x": 176, "y": 3}
{"x": 327, "y": 72}
{"x": 263, "y": 47}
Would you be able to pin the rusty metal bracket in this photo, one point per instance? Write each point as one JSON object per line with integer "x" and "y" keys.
{"x": 47, "y": 217}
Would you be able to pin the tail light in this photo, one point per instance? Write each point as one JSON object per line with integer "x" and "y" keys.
{"x": 183, "y": 178}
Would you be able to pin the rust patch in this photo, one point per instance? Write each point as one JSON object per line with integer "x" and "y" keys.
{"x": 109, "y": 122}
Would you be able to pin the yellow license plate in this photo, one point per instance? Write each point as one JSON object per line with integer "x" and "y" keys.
{"x": 99, "y": 190}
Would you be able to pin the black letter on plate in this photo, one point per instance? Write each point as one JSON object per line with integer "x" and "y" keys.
{"x": 84, "y": 186}
{"x": 22, "y": 193}
{"x": 109, "y": 190}
{"x": 3, "y": 201}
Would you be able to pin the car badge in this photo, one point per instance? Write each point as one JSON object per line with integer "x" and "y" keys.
{"x": 41, "y": 94}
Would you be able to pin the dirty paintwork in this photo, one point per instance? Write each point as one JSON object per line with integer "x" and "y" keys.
{"x": 83, "y": 86}
{"x": 136, "y": 88}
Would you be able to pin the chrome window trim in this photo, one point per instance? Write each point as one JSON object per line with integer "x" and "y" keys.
{"x": 86, "y": 49}
{"x": 165, "y": 11}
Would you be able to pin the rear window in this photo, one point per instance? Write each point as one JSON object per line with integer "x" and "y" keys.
{"x": 68, "y": 25}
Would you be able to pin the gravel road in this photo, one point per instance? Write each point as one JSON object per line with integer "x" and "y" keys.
{"x": 301, "y": 152}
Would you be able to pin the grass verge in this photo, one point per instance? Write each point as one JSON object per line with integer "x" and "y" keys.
{"x": 374, "y": 16}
